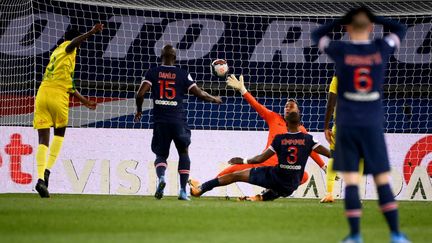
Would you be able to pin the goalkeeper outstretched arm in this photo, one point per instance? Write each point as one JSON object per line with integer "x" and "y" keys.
{"x": 238, "y": 84}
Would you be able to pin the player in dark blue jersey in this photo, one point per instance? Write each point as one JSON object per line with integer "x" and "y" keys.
{"x": 360, "y": 66}
{"x": 169, "y": 86}
{"x": 292, "y": 149}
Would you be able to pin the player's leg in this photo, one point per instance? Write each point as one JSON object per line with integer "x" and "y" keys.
{"x": 259, "y": 197}
{"x": 330, "y": 179}
{"x": 41, "y": 155}
{"x": 262, "y": 178}
{"x": 389, "y": 207}
{"x": 160, "y": 145}
{"x": 54, "y": 151}
{"x": 266, "y": 195}
{"x": 330, "y": 173}
{"x": 352, "y": 205}
{"x": 376, "y": 162}
{"x": 42, "y": 121}
{"x": 346, "y": 159}
{"x": 227, "y": 179}
{"x": 269, "y": 195}
{"x": 182, "y": 141}
{"x": 234, "y": 168}
{"x": 58, "y": 106}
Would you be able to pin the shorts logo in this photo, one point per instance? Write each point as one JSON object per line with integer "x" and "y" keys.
{"x": 41, "y": 122}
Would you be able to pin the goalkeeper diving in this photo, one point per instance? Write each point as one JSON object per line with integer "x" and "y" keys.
{"x": 277, "y": 125}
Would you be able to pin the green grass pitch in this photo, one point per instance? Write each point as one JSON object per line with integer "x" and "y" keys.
{"x": 96, "y": 218}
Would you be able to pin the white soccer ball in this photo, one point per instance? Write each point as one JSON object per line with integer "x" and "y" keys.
{"x": 219, "y": 68}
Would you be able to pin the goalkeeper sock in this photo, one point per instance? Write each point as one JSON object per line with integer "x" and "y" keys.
{"x": 41, "y": 162}
{"x": 183, "y": 170}
{"x": 388, "y": 207}
{"x": 353, "y": 208}
{"x": 330, "y": 177}
{"x": 209, "y": 185}
{"x": 55, "y": 148}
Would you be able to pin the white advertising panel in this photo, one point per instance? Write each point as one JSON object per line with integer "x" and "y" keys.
{"x": 120, "y": 161}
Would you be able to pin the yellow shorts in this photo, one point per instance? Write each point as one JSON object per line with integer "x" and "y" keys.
{"x": 51, "y": 108}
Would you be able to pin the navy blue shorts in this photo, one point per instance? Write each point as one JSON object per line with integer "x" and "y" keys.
{"x": 267, "y": 178}
{"x": 353, "y": 143}
{"x": 165, "y": 133}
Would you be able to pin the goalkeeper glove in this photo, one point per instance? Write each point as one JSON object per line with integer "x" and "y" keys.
{"x": 236, "y": 84}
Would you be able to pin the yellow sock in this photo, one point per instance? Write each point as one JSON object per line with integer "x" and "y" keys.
{"x": 55, "y": 148}
{"x": 330, "y": 176}
{"x": 41, "y": 155}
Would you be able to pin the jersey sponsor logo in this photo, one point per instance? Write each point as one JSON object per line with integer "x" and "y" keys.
{"x": 290, "y": 167}
{"x": 286, "y": 141}
{"x": 363, "y": 97}
{"x": 166, "y": 102}
{"x": 369, "y": 60}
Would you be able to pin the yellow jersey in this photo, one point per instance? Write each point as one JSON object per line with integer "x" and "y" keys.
{"x": 60, "y": 70}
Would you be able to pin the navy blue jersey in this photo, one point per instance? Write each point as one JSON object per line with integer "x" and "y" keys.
{"x": 169, "y": 85}
{"x": 292, "y": 150}
{"x": 360, "y": 68}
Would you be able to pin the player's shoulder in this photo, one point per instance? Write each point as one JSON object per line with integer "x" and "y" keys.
{"x": 62, "y": 46}
{"x": 337, "y": 44}
{"x": 281, "y": 136}
{"x": 308, "y": 136}
{"x": 385, "y": 43}
{"x": 153, "y": 69}
{"x": 181, "y": 71}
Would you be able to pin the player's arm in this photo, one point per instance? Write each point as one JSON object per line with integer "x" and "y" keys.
{"x": 318, "y": 160}
{"x": 319, "y": 35}
{"x": 78, "y": 40}
{"x": 331, "y": 103}
{"x": 238, "y": 84}
{"x": 139, "y": 99}
{"x": 255, "y": 160}
{"x": 88, "y": 103}
{"x": 397, "y": 31}
{"x": 322, "y": 150}
{"x": 204, "y": 95}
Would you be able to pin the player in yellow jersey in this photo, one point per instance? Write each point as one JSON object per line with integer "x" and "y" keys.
{"x": 331, "y": 138}
{"x": 52, "y": 103}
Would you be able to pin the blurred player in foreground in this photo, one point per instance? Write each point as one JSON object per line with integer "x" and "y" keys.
{"x": 52, "y": 103}
{"x": 292, "y": 150}
{"x": 331, "y": 175}
{"x": 277, "y": 125}
{"x": 169, "y": 86}
{"x": 360, "y": 67}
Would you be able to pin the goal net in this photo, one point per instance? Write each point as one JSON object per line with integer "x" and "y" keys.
{"x": 266, "y": 41}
